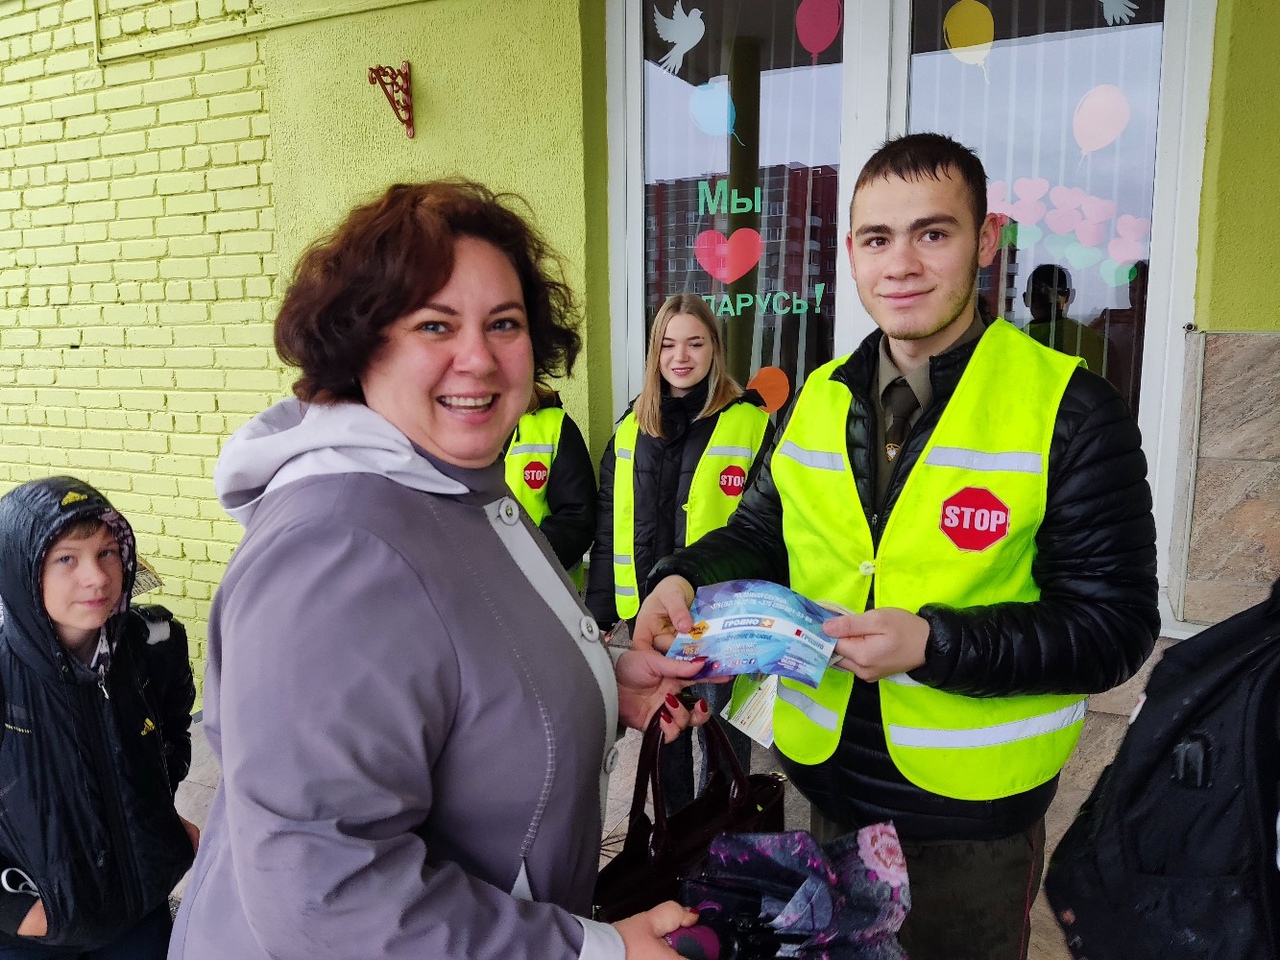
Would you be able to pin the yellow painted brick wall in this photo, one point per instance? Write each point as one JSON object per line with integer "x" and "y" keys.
{"x": 137, "y": 264}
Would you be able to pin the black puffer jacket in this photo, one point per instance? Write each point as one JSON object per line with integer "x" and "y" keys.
{"x": 663, "y": 474}
{"x": 1093, "y": 626}
{"x": 86, "y": 794}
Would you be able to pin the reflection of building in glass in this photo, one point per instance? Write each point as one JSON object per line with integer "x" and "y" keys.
{"x": 798, "y": 223}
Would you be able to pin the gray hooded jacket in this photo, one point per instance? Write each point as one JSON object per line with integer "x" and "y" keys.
{"x": 411, "y": 709}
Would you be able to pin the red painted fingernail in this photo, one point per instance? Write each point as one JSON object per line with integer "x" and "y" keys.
{"x": 703, "y": 705}
{"x": 664, "y": 715}
{"x": 699, "y": 660}
{"x": 673, "y": 701}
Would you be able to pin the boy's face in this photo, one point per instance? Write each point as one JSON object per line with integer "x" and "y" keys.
{"x": 81, "y": 581}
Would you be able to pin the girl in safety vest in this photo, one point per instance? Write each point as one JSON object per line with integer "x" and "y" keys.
{"x": 675, "y": 469}
{"x": 549, "y": 470}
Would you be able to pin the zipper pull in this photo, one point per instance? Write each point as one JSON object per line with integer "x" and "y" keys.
{"x": 102, "y": 681}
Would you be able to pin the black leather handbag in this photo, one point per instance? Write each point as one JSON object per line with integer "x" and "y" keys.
{"x": 657, "y": 854}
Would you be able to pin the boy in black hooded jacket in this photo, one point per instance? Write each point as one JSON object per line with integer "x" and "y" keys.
{"x": 96, "y": 702}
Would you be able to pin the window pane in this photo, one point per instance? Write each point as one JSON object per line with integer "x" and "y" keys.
{"x": 1059, "y": 99}
{"x": 742, "y": 143}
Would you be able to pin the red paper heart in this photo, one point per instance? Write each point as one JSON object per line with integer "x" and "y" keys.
{"x": 1027, "y": 212}
{"x": 727, "y": 259}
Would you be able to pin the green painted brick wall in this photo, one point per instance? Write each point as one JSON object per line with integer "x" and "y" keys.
{"x": 163, "y": 164}
{"x": 137, "y": 238}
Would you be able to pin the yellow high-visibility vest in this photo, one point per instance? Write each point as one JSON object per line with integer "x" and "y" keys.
{"x": 714, "y": 492}
{"x": 962, "y": 533}
{"x": 530, "y": 458}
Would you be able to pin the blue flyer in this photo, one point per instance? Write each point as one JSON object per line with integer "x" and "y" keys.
{"x": 754, "y": 626}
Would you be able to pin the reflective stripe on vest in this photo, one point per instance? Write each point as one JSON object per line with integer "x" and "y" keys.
{"x": 536, "y": 441}
{"x": 962, "y": 533}
{"x": 714, "y": 492}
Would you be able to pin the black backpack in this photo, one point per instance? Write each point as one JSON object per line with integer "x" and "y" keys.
{"x": 1174, "y": 854}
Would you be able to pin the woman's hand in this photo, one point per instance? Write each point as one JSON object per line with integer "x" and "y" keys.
{"x": 36, "y": 924}
{"x": 193, "y": 833}
{"x": 642, "y": 934}
{"x": 648, "y": 681}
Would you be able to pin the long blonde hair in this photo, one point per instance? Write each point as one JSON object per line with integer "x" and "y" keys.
{"x": 722, "y": 389}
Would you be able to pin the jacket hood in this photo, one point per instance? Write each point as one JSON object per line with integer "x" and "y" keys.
{"x": 294, "y": 440}
{"x": 32, "y": 517}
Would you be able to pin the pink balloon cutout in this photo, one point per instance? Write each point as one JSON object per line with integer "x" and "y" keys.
{"x": 1101, "y": 116}
{"x": 818, "y": 24}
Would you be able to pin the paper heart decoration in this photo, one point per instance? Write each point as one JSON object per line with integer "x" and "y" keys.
{"x": 1062, "y": 221}
{"x": 1067, "y": 198}
{"x": 1132, "y": 228}
{"x": 1089, "y": 233}
{"x": 1027, "y": 211}
{"x": 1115, "y": 274}
{"x": 1081, "y": 258}
{"x": 1097, "y": 210}
{"x": 997, "y": 195}
{"x": 1057, "y": 245}
{"x": 1124, "y": 250}
{"x": 1028, "y": 237}
{"x": 728, "y": 258}
{"x": 1028, "y": 189}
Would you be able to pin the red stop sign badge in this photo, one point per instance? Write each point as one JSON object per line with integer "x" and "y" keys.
{"x": 733, "y": 480}
{"x": 974, "y": 518}
{"x": 535, "y": 475}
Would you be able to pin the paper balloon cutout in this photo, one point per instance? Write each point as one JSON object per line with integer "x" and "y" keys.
{"x": 1101, "y": 116}
{"x": 969, "y": 30}
{"x": 728, "y": 258}
{"x": 773, "y": 386}
{"x": 712, "y": 110}
{"x": 818, "y": 25}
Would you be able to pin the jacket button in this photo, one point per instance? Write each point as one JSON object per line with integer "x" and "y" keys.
{"x": 867, "y": 568}
{"x": 611, "y": 760}
{"x": 590, "y": 629}
{"x": 508, "y": 511}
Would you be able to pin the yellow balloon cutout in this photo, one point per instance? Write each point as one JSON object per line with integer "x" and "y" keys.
{"x": 969, "y": 30}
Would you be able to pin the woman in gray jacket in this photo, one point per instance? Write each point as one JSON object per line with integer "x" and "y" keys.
{"x": 414, "y": 714}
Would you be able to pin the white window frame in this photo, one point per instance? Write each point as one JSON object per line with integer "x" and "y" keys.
{"x": 875, "y": 108}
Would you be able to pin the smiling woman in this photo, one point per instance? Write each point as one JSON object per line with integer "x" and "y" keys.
{"x": 412, "y": 708}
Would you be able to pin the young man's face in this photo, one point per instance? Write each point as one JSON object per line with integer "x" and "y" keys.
{"x": 81, "y": 581}
{"x": 914, "y": 252}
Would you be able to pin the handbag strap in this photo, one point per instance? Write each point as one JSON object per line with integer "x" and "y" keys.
{"x": 720, "y": 756}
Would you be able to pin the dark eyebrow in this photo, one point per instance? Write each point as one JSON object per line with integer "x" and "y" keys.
{"x": 921, "y": 223}
{"x": 450, "y": 312}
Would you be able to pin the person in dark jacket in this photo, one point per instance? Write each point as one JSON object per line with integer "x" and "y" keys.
{"x": 550, "y": 472}
{"x": 96, "y": 702}
{"x": 691, "y": 443}
{"x": 981, "y": 503}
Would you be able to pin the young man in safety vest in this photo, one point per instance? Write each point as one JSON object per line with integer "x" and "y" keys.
{"x": 981, "y": 502}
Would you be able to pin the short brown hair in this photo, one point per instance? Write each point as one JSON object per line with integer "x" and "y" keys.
{"x": 722, "y": 389}
{"x": 388, "y": 259}
{"x": 931, "y": 155}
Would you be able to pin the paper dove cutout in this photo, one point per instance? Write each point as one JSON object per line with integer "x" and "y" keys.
{"x": 1115, "y": 11}
{"x": 682, "y": 30}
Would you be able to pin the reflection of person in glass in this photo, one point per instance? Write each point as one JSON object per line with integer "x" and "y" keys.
{"x": 676, "y": 468}
{"x": 411, "y": 708}
{"x": 1049, "y": 294}
{"x": 1003, "y": 563}
{"x": 1123, "y": 327}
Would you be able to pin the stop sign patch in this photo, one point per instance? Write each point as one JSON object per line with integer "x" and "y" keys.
{"x": 733, "y": 480}
{"x": 974, "y": 518}
{"x": 535, "y": 475}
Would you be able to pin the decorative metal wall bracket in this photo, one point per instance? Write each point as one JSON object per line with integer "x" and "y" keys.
{"x": 395, "y": 84}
